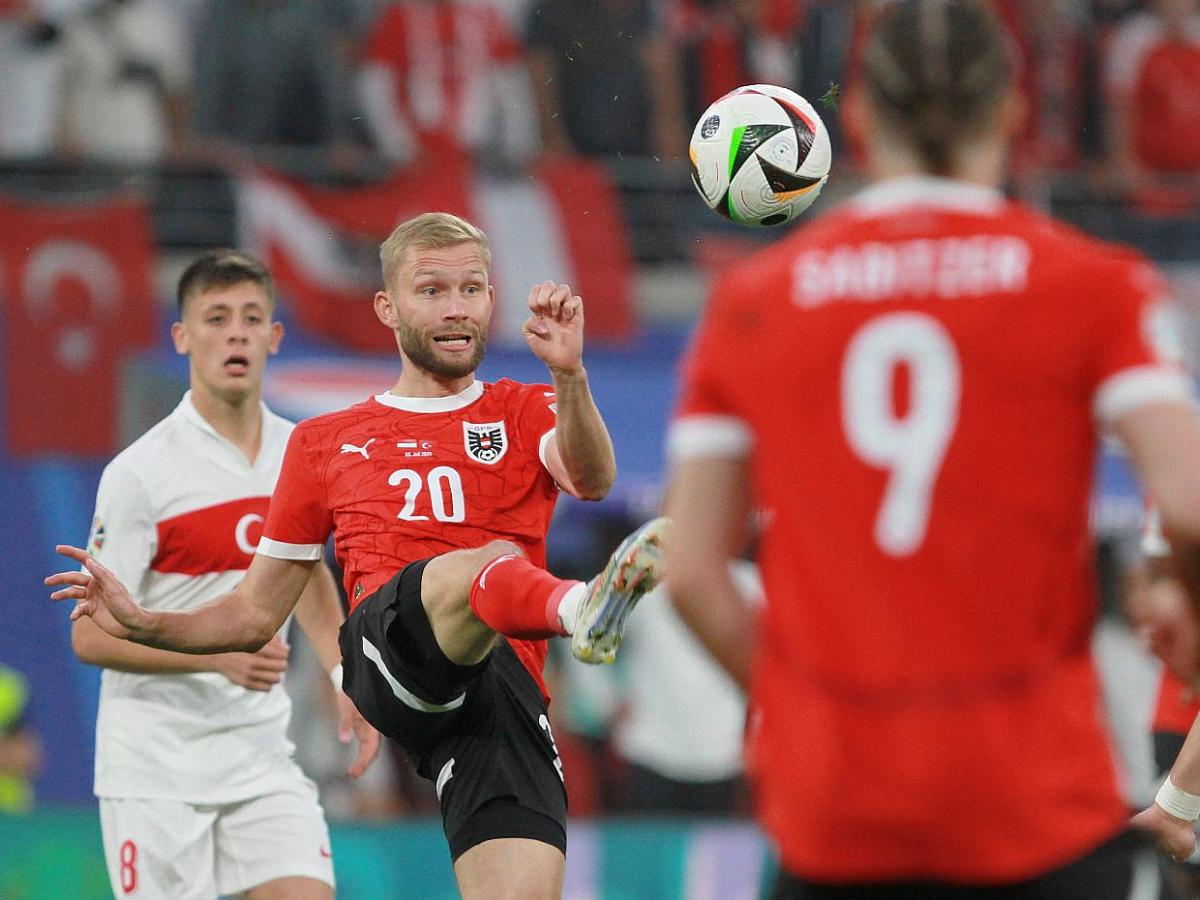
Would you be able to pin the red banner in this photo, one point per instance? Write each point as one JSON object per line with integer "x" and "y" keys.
{"x": 322, "y": 245}
{"x": 78, "y": 298}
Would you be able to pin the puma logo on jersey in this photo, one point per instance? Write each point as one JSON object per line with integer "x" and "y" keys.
{"x": 350, "y": 448}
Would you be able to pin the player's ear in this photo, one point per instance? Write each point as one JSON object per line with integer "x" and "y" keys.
{"x": 385, "y": 311}
{"x": 276, "y": 337}
{"x": 179, "y": 338}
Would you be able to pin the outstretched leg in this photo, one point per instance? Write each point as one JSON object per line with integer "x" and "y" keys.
{"x": 471, "y": 596}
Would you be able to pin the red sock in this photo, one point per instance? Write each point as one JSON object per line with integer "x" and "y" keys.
{"x": 516, "y": 598}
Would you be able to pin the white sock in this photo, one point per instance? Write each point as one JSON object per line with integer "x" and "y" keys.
{"x": 568, "y": 606}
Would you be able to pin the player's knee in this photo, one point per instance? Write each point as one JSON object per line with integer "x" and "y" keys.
{"x": 496, "y": 549}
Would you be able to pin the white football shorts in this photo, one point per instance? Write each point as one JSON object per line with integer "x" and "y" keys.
{"x": 182, "y": 851}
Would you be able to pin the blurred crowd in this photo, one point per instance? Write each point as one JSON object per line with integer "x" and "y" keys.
{"x": 1113, "y": 86}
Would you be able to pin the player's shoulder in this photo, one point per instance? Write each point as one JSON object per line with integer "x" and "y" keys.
{"x": 1091, "y": 260}
{"x": 506, "y": 390}
{"x": 156, "y": 445}
{"x": 322, "y": 424}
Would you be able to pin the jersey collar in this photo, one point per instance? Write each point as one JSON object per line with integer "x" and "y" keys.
{"x": 465, "y": 397}
{"x": 187, "y": 410}
{"x": 927, "y": 191}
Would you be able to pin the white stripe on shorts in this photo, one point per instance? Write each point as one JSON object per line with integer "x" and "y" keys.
{"x": 403, "y": 694}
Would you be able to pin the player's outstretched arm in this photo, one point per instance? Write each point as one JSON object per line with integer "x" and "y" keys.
{"x": 581, "y": 458}
{"x": 319, "y": 614}
{"x": 708, "y": 503}
{"x": 259, "y": 671}
{"x": 243, "y": 620}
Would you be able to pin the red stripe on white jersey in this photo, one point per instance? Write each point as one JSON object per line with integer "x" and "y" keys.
{"x": 217, "y": 538}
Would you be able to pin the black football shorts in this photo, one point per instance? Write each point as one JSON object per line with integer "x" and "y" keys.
{"x": 479, "y": 733}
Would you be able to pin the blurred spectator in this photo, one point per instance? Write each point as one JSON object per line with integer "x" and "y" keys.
{"x": 606, "y": 79}
{"x": 20, "y": 750}
{"x": 725, "y": 44}
{"x": 30, "y": 69}
{"x": 447, "y": 76}
{"x": 1152, "y": 77}
{"x": 683, "y": 719}
{"x": 271, "y": 75}
{"x": 1050, "y": 38}
{"x": 125, "y": 84}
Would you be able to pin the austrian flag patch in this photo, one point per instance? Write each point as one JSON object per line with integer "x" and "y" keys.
{"x": 486, "y": 442}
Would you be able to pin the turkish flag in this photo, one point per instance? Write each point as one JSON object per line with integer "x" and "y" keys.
{"x": 77, "y": 299}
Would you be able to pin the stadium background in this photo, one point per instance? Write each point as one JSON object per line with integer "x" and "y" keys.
{"x": 92, "y": 238}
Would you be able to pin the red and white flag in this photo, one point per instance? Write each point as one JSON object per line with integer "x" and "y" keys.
{"x": 563, "y": 224}
{"x": 78, "y": 300}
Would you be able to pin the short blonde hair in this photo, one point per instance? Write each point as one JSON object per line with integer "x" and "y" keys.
{"x": 429, "y": 230}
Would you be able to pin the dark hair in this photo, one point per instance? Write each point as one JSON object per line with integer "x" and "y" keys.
{"x": 222, "y": 268}
{"x": 935, "y": 70}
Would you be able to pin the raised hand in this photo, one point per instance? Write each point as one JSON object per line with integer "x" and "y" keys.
{"x": 351, "y": 724}
{"x": 554, "y": 331}
{"x": 258, "y": 671}
{"x": 98, "y": 593}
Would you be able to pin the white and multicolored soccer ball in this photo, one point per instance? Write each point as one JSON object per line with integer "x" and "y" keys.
{"x": 760, "y": 155}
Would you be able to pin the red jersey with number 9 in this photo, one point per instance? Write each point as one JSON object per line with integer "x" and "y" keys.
{"x": 398, "y": 479}
{"x": 917, "y": 382}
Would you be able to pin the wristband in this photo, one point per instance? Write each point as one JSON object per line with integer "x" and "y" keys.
{"x": 1178, "y": 802}
{"x": 335, "y": 676}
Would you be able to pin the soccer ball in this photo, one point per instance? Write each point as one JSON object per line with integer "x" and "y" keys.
{"x": 760, "y": 155}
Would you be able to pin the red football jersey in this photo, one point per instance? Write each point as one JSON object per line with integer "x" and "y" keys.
{"x": 916, "y": 381}
{"x": 397, "y": 479}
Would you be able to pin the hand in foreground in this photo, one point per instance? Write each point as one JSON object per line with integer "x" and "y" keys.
{"x": 1174, "y": 836}
{"x": 258, "y": 671}
{"x": 1163, "y": 617}
{"x": 99, "y": 594}
{"x": 554, "y": 331}
{"x": 351, "y": 724}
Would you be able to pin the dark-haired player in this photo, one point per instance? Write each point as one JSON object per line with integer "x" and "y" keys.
{"x": 912, "y": 389}
{"x": 199, "y": 793}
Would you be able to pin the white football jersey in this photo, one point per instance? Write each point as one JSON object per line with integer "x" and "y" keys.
{"x": 178, "y": 515}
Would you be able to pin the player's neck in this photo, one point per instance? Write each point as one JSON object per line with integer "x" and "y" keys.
{"x": 416, "y": 382}
{"x": 980, "y": 163}
{"x": 238, "y": 418}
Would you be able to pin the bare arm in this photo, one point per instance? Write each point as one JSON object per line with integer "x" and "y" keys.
{"x": 581, "y": 457}
{"x": 1175, "y": 835}
{"x": 708, "y": 502}
{"x": 1163, "y": 439}
{"x": 256, "y": 671}
{"x": 244, "y": 619}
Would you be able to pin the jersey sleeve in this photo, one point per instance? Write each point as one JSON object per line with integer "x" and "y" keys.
{"x": 707, "y": 422}
{"x": 299, "y": 520}
{"x": 124, "y": 535}
{"x": 1137, "y": 357}
{"x": 538, "y": 417}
